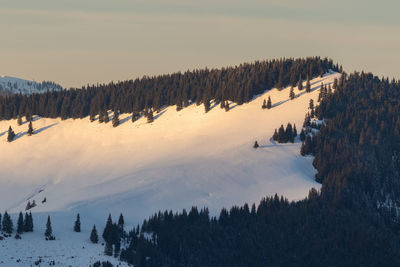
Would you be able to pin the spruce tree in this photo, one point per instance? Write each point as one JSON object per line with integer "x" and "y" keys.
{"x": 150, "y": 117}
{"x": 106, "y": 119}
{"x": 77, "y": 225}
{"x": 256, "y": 145}
{"x": 26, "y": 222}
{"x": 302, "y": 135}
{"x": 275, "y": 136}
{"x": 108, "y": 230}
{"x": 11, "y": 135}
{"x": 121, "y": 223}
{"x": 30, "y": 129}
{"x": 294, "y": 131}
{"x": 264, "y": 105}
{"x": 108, "y": 249}
{"x": 207, "y": 105}
{"x": 291, "y": 93}
{"x": 49, "y": 231}
{"x": 269, "y": 103}
{"x": 115, "y": 120}
{"x": 7, "y": 223}
{"x": 19, "y": 120}
{"x": 135, "y": 116}
{"x": 308, "y": 85}
{"x": 227, "y": 106}
{"x": 93, "y": 235}
{"x": 20, "y": 224}
{"x": 300, "y": 84}
{"x": 311, "y": 105}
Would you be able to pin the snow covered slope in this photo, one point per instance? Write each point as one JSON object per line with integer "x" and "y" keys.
{"x": 16, "y": 85}
{"x": 182, "y": 159}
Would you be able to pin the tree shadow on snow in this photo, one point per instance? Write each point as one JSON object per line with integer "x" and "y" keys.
{"x": 44, "y": 128}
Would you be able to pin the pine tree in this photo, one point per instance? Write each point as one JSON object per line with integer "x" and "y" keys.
{"x": 135, "y": 116}
{"x": 207, "y": 105}
{"x": 150, "y": 117}
{"x": 11, "y": 135}
{"x": 302, "y": 135}
{"x": 20, "y": 224}
{"x": 300, "y": 84}
{"x": 30, "y": 129}
{"x": 256, "y": 145}
{"x": 108, "y": 230}
{"x": 77, "y": 225}
{"x": 294, "y": 131}
{"x": 227, "y": 106}
{"x": 291, "y": 93}
{"x": 275, "y": 136}
{"x": 308, "y": 85}
{"x": 19, "y": 120}
{"x": 121, "y": 223}
{"x": 281, "y": 135}
{"x": 49, "y": 231}
{"x": 93, "y": 235}
{"x": 108, "y": 249}
{"x": 26, "y": 222}
{"x": 7, "y": 223}
{"x": 106, "y": 119}
{"x": 264, "y": 105}
{"x": 311, "y": 105}
{"x": 269, "y": 103}
{"x": 115, "y": 120}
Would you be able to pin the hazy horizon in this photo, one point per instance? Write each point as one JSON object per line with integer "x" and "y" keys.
{"x": 75, "y": 43}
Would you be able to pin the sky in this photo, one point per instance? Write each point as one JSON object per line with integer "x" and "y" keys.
{"x": 79, "y": 42}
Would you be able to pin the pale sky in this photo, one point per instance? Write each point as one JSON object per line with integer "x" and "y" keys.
{"x": 75, "y": 42}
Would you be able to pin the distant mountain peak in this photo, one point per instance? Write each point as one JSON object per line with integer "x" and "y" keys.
{"x": 13, "y": 85}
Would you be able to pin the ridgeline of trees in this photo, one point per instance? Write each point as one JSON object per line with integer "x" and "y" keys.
{"x": 238, "y": 84}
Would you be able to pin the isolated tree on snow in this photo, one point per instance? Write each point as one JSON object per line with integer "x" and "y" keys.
{"x": 300, "y": 84}
{"x": 77, "y": 226}
{"x": 20, "y": 224}
{"x": 275, "y": 136}
{"x": 30, "y": 129}
{"x": 269, "y": 103}
{"x": 93, "y": 235}
{"x": 256, "y": 145}
{"x": 7, "y": 223}
{"x": 311, "y": 105}
{"x": 11, "y": 134}
{"x": 49, "y": 231}
{"x": 308, "y": 85}
{"x": 291, "y": 93}
{"x": 19, "y": 120}
{"x": 115, "y": 120}
{"x": 264, "y": 105}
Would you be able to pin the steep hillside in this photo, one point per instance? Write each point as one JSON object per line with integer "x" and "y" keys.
{"x": 15, "y": 85}
{"x": 182, "y": 159}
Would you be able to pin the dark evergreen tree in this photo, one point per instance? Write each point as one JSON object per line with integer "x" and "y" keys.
{"x": 108, "y": 231}
{"x": 302, "y": 135}
{"x": 226, "y": 106}
{"x": 93, "y": 235}
{"x": 20, "y": 224}
{"x": 11, "y": 135}
{"x": 115, "y": 120}
{"x": 30, "y": 129}
{"x": 7, "y": 223}
{"x": 291, "y": 93}
{"x": 264, "y": 105}
{"x": 275, "y": 136}
{"x": 121, "y": 223}
{"x": 256, "y": 145}
{"x": 207, "y": 106}
{"x": 49, "y": 231}
{"x": 108, "y": 249}
{"x": 269, "y": 103}
{"x": 77, "y": 225}
{"x": 19, "y": 120}
{"x": 135, "y": 116}
{"x": 149, "y": 116}
{"x": 300, "y": 84}
{"x": 311, "y": 105}
{"x": 308, "y": 85}
{"x": 294, "y": 131}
